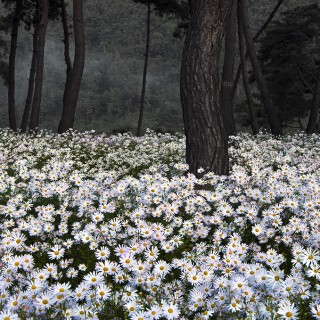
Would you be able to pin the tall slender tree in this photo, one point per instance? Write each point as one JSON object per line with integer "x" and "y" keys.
{"x": 145, "y": 70}
{"x": 274, "y": 122}
{"x": 245, "y": 77}
{"x": 290, "y": 45}
{"x": 33, "y": 69}
{"x": 314, "y": 112}
{"x": 12, "y": 61}
{"x": 34, "y": 120}
{"x": 255, "y": 38}
{"x": 66, "y": 41}
{"x": 4, "y": 61}
{"x": 72, "y": 88}
{"x": 228, "y": 71}
{"x": 206, "y": 135}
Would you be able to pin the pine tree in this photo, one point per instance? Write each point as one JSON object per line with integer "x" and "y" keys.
{"x": 290, "y": 57}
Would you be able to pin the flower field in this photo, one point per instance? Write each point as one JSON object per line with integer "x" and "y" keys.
{"x": 97, "y": 227}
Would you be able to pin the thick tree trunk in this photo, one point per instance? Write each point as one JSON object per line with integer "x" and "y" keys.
{"x": 313, "y": 117}
{"x": 33, "y": 68}
{"x": 228, "y": 72}
{"x": 72, "y": 91}
{"x": 34, "y": 120}
{"x": 255, "y": 38}
{"x": 245, "y": 77}
{"x": 274, "y": 122}
{"x": 145, "y": 69}
{"x": 12, "y": 64}
{"x": 206, "y": 135}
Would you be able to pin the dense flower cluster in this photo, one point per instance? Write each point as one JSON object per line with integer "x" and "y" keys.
{"x": 97, "y": 227}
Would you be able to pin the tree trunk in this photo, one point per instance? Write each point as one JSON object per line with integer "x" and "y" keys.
{"x": 12, "y": 64}
{"x": 66, "y": 41}
{"x": 245, "y": 77}
{"x": 274, "y": 122}
{"x": 145, "y": 69}
{"x": 301, "y": 124}
{"x": 228, "y": 72}
{"x": 313, "y": 117}
{"x": 255, "y": 38}
{"x": 34, "y": 120}
{"x": 204, "y": 123}
{"x": 33, "y": 68}
{"x": 72, "y": 89}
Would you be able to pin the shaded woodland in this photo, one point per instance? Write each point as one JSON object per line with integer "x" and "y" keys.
{"x": 109, "y": 98}
{"x": 209, "y": 69}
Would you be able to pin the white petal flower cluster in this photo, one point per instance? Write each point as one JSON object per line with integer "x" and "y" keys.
{"x": 97, "y": 227}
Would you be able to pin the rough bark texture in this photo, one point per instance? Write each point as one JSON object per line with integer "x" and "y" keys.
{"x": 12, "y": 64}
{"x": 206, "y": 135}
{"x": 255, "y": 38}
{"x": 313, "y": 117}
{"x": 72, "y": 91}
{"x": 273, "y": 118}
{"x": 34, "y": 120}
{"x": 245, "y": 77}
{"x": 226, "y": 98}
{"x": 145, "y": 69}
{"x": 33, "y": 68}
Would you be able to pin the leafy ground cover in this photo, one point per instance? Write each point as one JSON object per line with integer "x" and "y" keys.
{"x": 97, "y": 227}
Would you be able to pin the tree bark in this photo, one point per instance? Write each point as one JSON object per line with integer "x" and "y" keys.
{"x": 72, "y": 89}
{"x": 12, "y": 64}
{"x": 33, "y": 68}
{"x": 313, "y": 117}
{"x": 228, "y": 72}
{"x": 66, "y": 42}
{"x": 274, "y": 122}
{"x": 204, "y": 123}
{"x": 145, "y": 69}
{"x": 255, "y": 38}
{"x": 245, "y": 77}
{"x": 34, "y": 120}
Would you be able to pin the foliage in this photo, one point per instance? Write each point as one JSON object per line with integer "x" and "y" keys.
{"x": 290, "y": 56}
{"x": 178, "y": 8}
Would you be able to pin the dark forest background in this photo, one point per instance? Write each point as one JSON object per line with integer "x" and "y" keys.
{"x": 110, "y": 92}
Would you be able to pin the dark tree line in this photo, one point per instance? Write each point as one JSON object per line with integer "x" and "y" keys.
{"x": 207, "y": 88}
